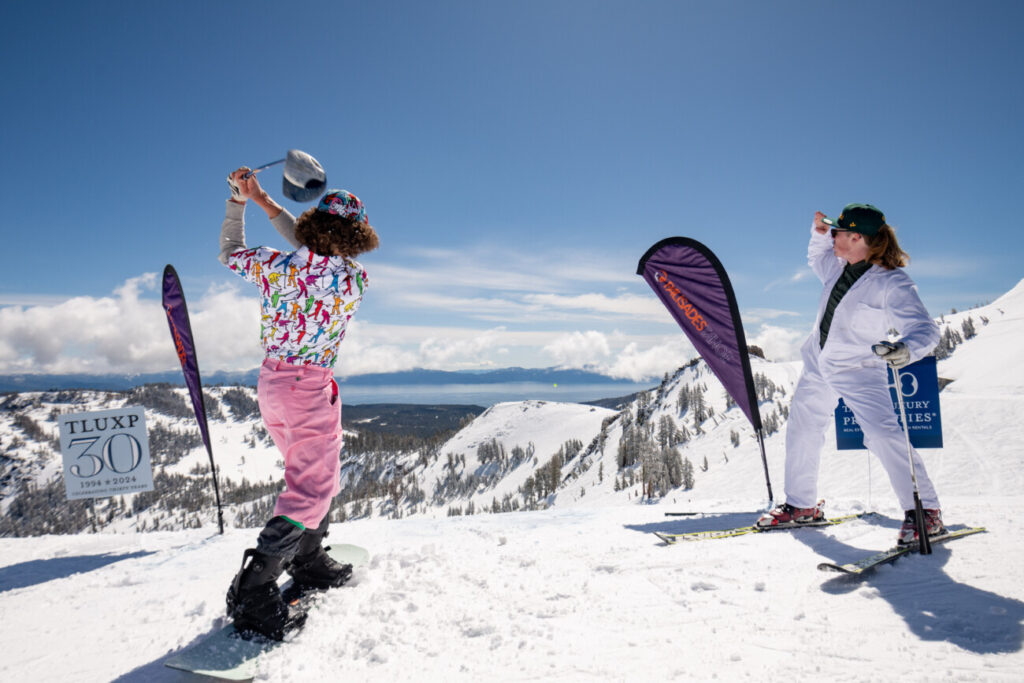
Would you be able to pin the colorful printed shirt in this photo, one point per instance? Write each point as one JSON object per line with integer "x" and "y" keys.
{"x": 306, "y": 299}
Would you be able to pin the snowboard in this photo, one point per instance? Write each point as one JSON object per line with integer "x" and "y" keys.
{"x": 227, "y": 655}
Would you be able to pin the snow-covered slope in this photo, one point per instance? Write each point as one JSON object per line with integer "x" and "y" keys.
{"x": 583, "y": 590}
{"x": 246, "y": 457}
{"x": 990, "y": 361}
{"x": 535, "y": 431}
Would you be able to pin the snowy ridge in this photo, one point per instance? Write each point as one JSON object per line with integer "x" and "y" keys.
{"x": 606, "y": 458}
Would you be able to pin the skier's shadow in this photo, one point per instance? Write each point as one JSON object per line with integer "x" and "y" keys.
{"x": 712, "y": 521}
{"x": 933, "y": 604}
{"x": 35, "y": 572}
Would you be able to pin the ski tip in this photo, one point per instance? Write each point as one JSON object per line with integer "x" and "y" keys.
{"x": 669, "y": 540}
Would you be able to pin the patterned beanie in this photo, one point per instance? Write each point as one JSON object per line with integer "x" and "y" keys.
{"x": 344, "y": 204}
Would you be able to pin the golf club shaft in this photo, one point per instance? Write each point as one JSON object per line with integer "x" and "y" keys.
{"x": 260, "y": 168}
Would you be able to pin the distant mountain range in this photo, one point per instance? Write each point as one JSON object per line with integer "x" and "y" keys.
{"x": 114, "y": 382}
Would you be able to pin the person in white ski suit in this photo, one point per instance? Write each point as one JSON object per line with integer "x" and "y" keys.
{"x": 839, "y": 361}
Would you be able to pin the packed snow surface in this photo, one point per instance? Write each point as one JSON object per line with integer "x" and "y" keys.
{"x": 566, "y": 594}
{"x": 584, "y": 590}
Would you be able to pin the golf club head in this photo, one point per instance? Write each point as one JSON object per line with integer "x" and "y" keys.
{"x": 304, "y": 178}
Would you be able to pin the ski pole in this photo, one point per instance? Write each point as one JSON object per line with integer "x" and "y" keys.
{"x": 924, "y": 544}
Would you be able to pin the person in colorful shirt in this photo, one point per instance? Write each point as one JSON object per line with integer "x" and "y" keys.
{"x": 866, "y": 293}
{"x": 307, "y": 298}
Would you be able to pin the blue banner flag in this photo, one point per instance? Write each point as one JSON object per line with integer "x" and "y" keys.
{"x": 920, "y": 384}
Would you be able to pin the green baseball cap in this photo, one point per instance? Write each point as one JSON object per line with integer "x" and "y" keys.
{"x": 863, "y": 218}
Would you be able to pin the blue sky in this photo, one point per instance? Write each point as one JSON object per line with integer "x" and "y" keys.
{"x": 516, "y": 158}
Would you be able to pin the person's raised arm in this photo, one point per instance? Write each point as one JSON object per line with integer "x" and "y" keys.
{"x": 820, "y": 256}
{"x": 246, "y": 189}
{"x": 232, "y": 230}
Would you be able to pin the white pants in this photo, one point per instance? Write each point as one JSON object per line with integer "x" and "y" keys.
{"x": 814, "y": 402}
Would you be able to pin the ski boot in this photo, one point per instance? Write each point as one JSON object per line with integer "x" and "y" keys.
{"x": 932, "y": 524}
{"x": 254, "y": 600}
{"x": 312, "y": 567}
{"x": 786, "y": 514}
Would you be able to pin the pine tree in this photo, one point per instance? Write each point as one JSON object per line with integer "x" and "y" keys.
{"x": 968, "y": 327}
{"x": 688, "y": 480}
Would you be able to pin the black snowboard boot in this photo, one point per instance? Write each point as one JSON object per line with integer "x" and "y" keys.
{"x": 312, "y": 567}
{"x": 254, "y": 599}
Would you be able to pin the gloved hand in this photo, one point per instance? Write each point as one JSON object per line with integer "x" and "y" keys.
{"x": 243, "y": 184}
{"x": 895, "y": 354}
{"x": 236, "y": 192}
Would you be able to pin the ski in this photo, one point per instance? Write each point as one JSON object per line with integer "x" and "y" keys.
{"x": 744, "y": 530}
{"x": 893, "y": 554}
{"x": 229, "y": 655}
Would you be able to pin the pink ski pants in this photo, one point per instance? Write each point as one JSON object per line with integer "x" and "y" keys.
{"x": 302, "y": 412}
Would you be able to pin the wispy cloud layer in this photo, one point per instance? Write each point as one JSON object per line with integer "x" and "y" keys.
{"x": 620, "y": 333}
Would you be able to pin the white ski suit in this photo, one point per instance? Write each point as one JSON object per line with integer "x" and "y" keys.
{"x": 846, "y": 367}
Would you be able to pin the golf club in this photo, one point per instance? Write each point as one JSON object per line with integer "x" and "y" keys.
{"x": 303, "y": 179}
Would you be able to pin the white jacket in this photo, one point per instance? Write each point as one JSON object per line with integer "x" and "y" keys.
{"x": 878, "y": 301}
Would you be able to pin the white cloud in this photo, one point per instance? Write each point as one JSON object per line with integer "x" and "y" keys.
{"x": 499, "y": 285}
{"x": 579, "y": 349}
{"x": 493, "y": 269}
{"x": 637, "y": 363}
{"x": 455, "y": 354}
{"x": 801, "y": 274}
{"x": 360, "y": 359}
{"x": 756, "y": 315}
{"x": 482, "y": 308}
{"x": 779, "y": 343}
{"x": 619, "y": 355}
{"x": 126, "y": 332}
{"x": 86, "y": 334}
{"x": 631, "y": 305}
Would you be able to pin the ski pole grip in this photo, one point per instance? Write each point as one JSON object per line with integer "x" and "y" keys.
{"x": 882, "y": 348}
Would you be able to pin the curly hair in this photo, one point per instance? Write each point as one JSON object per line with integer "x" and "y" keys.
{"x": 884, "y": 250}
{"x": 329, "y": 235}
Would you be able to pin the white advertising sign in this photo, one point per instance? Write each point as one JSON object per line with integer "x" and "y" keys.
{"x": 106, "y": 453}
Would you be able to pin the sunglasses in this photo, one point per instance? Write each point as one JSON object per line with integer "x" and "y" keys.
{"x": 835, "y": 231}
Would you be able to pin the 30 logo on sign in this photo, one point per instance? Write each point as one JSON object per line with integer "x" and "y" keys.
{"x": 106, "y": 453}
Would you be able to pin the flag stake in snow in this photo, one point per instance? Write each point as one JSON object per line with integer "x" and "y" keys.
{"x": 181, "y": 333}
{"x": 692, "y": 283}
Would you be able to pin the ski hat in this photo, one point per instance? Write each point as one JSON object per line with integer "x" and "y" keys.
{"x": 863, "y": 218}
{"x": 344, "y": 204}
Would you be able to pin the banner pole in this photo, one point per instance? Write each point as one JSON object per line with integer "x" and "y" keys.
{"x": 693, "y": 285}
{"x": 184, "y": 346}
{"x": 764, "y": 461}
